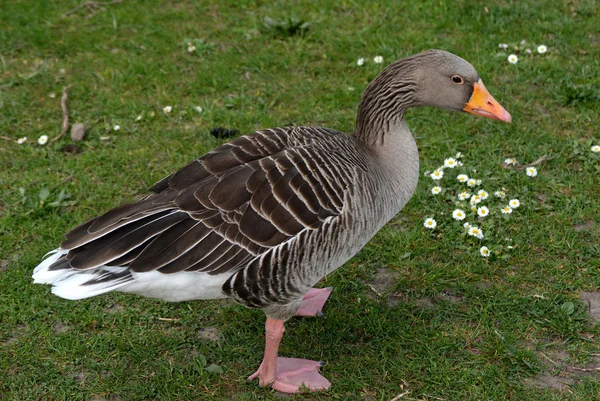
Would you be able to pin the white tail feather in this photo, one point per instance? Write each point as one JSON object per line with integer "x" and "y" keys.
{"x": 72, "y": 288}
{"x": 41, "y": 274}
{"x": 67, "y": 283}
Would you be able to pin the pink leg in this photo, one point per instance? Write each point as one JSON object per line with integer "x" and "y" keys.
{"x": 288, "y": 375}
{"x": 313, "y": 302}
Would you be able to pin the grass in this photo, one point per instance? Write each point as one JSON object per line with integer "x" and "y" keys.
{"x": 458, "y": 327}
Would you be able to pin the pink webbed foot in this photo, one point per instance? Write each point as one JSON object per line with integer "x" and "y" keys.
{"x": 294, "y": 375}
{"x": 313, "y": 302}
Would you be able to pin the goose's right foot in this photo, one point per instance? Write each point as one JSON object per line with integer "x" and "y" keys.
{"x": 313, "y": 302}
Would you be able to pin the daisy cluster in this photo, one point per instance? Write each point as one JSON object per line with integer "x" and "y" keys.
{"x": 523, "y": 48}
{"x": 469, "y": 208}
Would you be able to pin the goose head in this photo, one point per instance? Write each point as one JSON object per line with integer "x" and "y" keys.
{"x": 433, "y": 78}
{"x": 447, "y": 81}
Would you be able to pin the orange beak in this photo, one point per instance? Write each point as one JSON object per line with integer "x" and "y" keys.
{"x": 483, "y": 104}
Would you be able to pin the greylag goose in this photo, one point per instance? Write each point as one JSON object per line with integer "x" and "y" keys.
{"x": 263, "y": 218}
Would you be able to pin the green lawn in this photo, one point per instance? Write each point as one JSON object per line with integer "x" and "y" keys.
{"x": 417, "y": 312}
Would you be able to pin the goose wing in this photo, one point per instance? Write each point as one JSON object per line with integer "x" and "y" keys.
{"x": 222, "y": 210}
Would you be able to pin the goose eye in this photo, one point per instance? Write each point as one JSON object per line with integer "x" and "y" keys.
{"x": 457, "y": 80}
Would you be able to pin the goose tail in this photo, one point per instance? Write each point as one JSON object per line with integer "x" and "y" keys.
{"x": 70, "y": 283}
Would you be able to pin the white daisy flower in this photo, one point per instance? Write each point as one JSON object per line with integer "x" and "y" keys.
{"x": 462, "y": 178}
{"x": 43, "y": 139}
{"x": 430, "y": 223}
{"x": 542, "y": 49}
{"x": 513, "y": 59}
{"x": 138, "y": 118}
{"x": 476, "y": 232}
{"x": 378, "y": 59}
{"x": 531, "y": 171}
{"x": 484, "y": 251}
{"x": 514, "y": 203}
{"x": 458, "y": 155}
{"x": 463, "y": 195}
{"x": 191, "y": 48}
{"x": 436, "y": 190}
{"x": 523, "y": 42}
{"x": 506, "y": 210}
{"x": 117, "y": 127}
{"x": 437, "y": 174}
{"x": 104, "y": 138}
{"x": 458, "y": 214}
{"x": 198, "y": 109}
{"x": 478, "y": 182}
{"x": 510, "y": 161}
{"x": 475, "y": 199}
{"x": 467, "y": 225}
{"x": 503, "y": 46}
{"x": 21, "y": 141}
{"x": 460, "y": 164}
{"x": 471, "y": 182}
{"x": 509, "y": 247}
{"x": 596, "y": 149}
{"x": 167, "y": 109}
{"x": 450, "y": 162}
{"x": 528, "y": 51}
{"x": 360, "y": 61}
{"x": 483, "y": 194}
{"x": 483, "y": 211}
{"x": 500, "y": 194}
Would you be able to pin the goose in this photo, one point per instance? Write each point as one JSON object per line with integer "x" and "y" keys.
{"x": 263, "y": 218}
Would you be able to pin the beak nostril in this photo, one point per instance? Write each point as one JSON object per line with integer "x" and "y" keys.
{"x": 489, "y": 102}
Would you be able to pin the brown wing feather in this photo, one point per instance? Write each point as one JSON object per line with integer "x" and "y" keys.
{"x": 237, "y": 201}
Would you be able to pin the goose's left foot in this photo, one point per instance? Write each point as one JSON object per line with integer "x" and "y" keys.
{"x": 288, "y": 375}
{"x": 313, "y": 302}
{"x": 294, "y": 375}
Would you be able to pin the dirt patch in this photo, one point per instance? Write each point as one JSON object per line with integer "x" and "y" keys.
{"x": 60, "y": 328}
{"x": 210, "y": 333}
{"x": 425, "y": 303}
{"x": 383, "y": 284}
{"x": 483, "y": 285}
{"x": 77, "y": 376}
{"x": 592, "y": 300}
{"x": 554, "y": 359}
{"x": 448, "y": 296}
{"x": 16, "y": 334}
{"x": 548, "y": 381}
{"x": 560, "y": 374}
{"x": 4, "y": 263}
{"x": 395, "y": 298}
{"x": 384, "y": 280}
{"x": 583, "y": 226}
{"x": 115, "y": 308}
